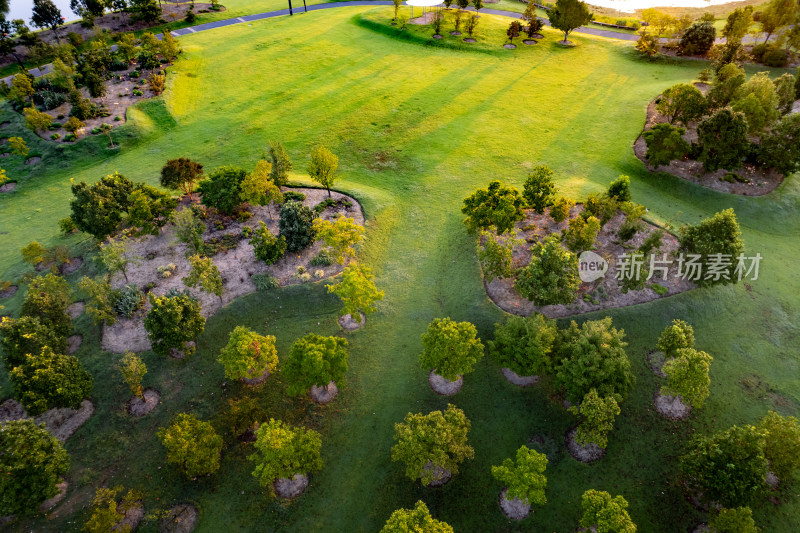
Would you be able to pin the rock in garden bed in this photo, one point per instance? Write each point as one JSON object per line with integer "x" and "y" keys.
{"x": 131, "y": 516}
{"x": 583, "y": 453}
{"x": 529, "y": 42}
{"x": 182, "y": 518}
{"x": 236, "y": 264}
{"x": 516, "y": 379}
{"x": 348, "y": 323}
{"x": 510, "y": 46}
{"x": 140, "y": 407}
{"x": 290, "y": 488}
{"x": 515, "y": 509}
{"x": 671, "y": 407}
{"x": 323, "y": 395}
{"x": 444, "y": 387}
{"x": 74, "y": 264}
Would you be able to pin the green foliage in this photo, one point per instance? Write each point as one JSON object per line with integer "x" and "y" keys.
{"x": 719, "y": 234}
{"x": 757, "y": 100}
{"x": 133, "y": 370}
{"x": 281, "y": 164}
{"x": 27, "y": 335}
{"x": 47, "y": 298}
{"x": 496, "y": 254}
{"x": 782, "y": 448}
{"x": 150, "y": 209}
{"x": 192, "y": 444}
{"x": 21, "y": 88}
{"x": 283, "y": 451}
{"x": 784, "y": 90}
{"x": 33, "y": 462}
{"x": 592, "y": 356}
{"x": 738, "y": 520}
{"x": 728, "y": 467}
{"x": 181, "y": 174}
{"x": 552, "y": 275}
{"x": 723, "y": 140}
{"x": 676, "y": 336}
{"x": 664, "y": 144}
{"x": 437, "y": 439}
{"x": 597, "y": 418}
{"x": 539, "y": 190}
{"x": 258, "y": 187}
{"x": 97, "y": 209}
{"x": 560, "y": 209}
{"x": 36, "y": 120}
{"x": 114, "y": 256}
{"x": 315, "y": 360}
{"x": 780, "y": 146}
{"x": 267, "y": 246}
{"x": 620, "y": 189}
{"x": 48, "y": 380}
{"x": 698, "y": 39}
{"x": 105, "y": 516}
{"x": 223, "y": 189}
{"x": 496, "y": 206}
{"x": 415, "y": 520}
{"x": 322, "y": 167}
{"x": 524, "y": 477}
{"x": 206, "y": 274}
{"x": 296, "y": 226}
{"x": 357, "y": 291}
{"x": 248, "y": 355}
{"x": 127, "y": 300}
{"x": 608, "y": 514}
{"x": 34, "y": 253}
{"x": 568, "y": 15}
{"x": 687, "y": 376}
{"x": 603, "y": 207}
{"x": 682, "y": 102}
{"x": 265, "y": 282}
{"x": 172, "y": 321}
{"x": 581, "y": 234}
{"x": 189, "y": 229}
{"x": 524, "y": 344}
{"x": 339, "y": 236}
{"x": 726, "y": 82}
{"x": 18, "y": 146}
{"x": 450, "y": 348}
{"x": 738, "y": 24}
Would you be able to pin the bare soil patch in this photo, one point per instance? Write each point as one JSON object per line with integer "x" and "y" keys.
{"x": 236, "y": 265}
{"x": 348, "y": 323}
{"x": 604, "y": 293}
{"x": 62, "y": 422}
{"x": 73, "y": 343}
{"x": 290, "y": 488}
{"x": 9, "y": 291}
{"x": 182, "y": 518}
{"x": 132, "y": 516}
{"x": 529, "y": 42}
{"x": 510, "y": 46}
{"x": 656, "y": 360}
{"x": 427, "y": 18}
{"x": 455, "y": 33}
{"x": 772, "y": 480}
{"x": 585, "y": 454}
{"x": 73, "y": 265}
{"x": 441, "y": 476}
{"x": 671, "y": 407}
{"x": 140, "y": 407}
{"x": 515, "y": 509}
{"x": 323, "y": 395}
{"x": 753, "y": 181}
{"x": 75, "y": 310}
{"x": 444, "y": 387}
{"x": 8, "y": 187}
{"x": 470, "y": 40}
{"x": 516, "y": 379}
{"x": 258, "y": 380}
{"x": 55, "y": 500}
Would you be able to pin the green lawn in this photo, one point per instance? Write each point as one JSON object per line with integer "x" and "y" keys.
{"x": 416, "y": 128}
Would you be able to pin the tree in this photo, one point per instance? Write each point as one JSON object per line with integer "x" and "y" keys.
{"x": 189, "y": 229}
{"x": 592, "y": 356}
{"x": 322, "y": 167}
{"x": 193, "y": 445}
{"x": 597, "y": 418}
{"x": 607, "y": 514}
{"x": 682, "y": 102}
{"x": 87, "y": 9}
{"x": 48, "y": 298}
{"x": 357, "y": 291}
{"x": 21, "y": 89}
{"x": 315, "y": 361}
{"x": 259, "y": 189}
{"x": 33, "y": 461}
{"x": 223, "y": 188}
{"x": 524, "y": 477}
{"x": 248, "y": 355}
{"x": 539, "y": 190}
{"x": 723, "y": 140}
{"x": 46, "y": 15}
{"x": 784, "y": 90}
{"x": 676, "y": 336}
{"x": 397, "y": 4}
{"x": 73, "y": 125}
{"x": 513, "y": 30}
{"x": 36, "y": 120}
{"x": 296, "y": 226}
{"x": 658, "y": 21}
{"x": 437, "y": 19}
{"x": 581, "y": 233}
{"x": 568, "y": 15}
{"x": 620, "y": 189}
{"x": 478, "y": 5}
{"x": 726, "y": 82}
{"x": 133, "y": 370}
{"x": 698, "y": 39}
{"x": 48, "y": 380}
{"x": 115, "y": 257}
{"x": 8, "y": 42}
{"x": 496, "y": 254}
{"x": 283, "y": 451}
{"x": 267, "y": 246}
{"x": 424, "y": 442}
{"x": 106, "y": 515}
{"x": 687, "y": 376}
{"x": 757, "y": 99}
{"x": 18, "y": 146}
{"x": 27, "y": 335}
{"x": 417, "y": 519}
{"x": 281, "y": 164}
{"x": 146, "y": 10}
{"x": 715, "y": 237}
{"x": 471, "y": 22}
{"x": 206, "y": 274}
{"x": 776, "y": 15}
{"x": 551, "y": 277}
{"x": 97, "y": 209}
{"x": 106, "y": 129}
{"x": 782, "y": 445}
{"x": 340, "y": 236}
{"x": 727, "y": 468}
{"x": 496, "y": 206}
{"x": 169, "y": 47}
{"x": 172, "y": 322}
{"x": 524, "y": 344}
{"x": 738, "y": 520}
{"x": 561, "y": 208}
{"x": 99, "y": 300}
{"x": 181, "y": 174}
{"x": 150, "y": 209}
{"x": 738, "y": 24}
{"x": 450, "y": 348}
{"x": 534, "y": 23}
{"x": 34, "y": 253}
{"x": 664, "y": 144}
{"x": 780, "y": 146}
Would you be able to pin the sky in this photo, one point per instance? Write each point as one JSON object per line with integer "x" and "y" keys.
{"x": 21, "y": 9}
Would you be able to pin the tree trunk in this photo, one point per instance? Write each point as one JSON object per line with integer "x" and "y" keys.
{"x": 329, "y": 191}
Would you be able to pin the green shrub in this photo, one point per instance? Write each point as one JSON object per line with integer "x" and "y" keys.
{"x": 776, "y": 57}
{"x": 605, "y": 513}
{"x": 323, "y": 258}
{"x": 223, "y": 188}
{"x": 417, "y": 519}
{"x": 497, "y": 206}
{"x": 782, "y": 445}
{"x": 283, "y": 451}
{"x": 267, "y": 246}
{"x": 293, "y": 196}
{"x": 597, "y": 418}
{"x": 265, "y": 282}
{"x": 296, "y": 226}
{"x": 524, "y": 344}
{"x": 723, "y": 140}
{"x": 687, "y": 376}
{"x": 581, "y": 234}
{"x": 738, "y": 520}
{"x": 48, "y": 298}
{"x": 48, "y": 380}
{"x": 552, "y": 275}
{"x": 524, "y": 477}
{"x": 560, "y": 209}
{"x": 27, "y": 335}
{"x": 128, "y": 300}
{"x": 620, "y": 189}
{"x": 193, "y": 445}
{"x": 450, "y": 348}
{"x": 698, "y": 39}
{"x": 719, "y": 234}
{"x": 173, "y": 320}
{"x": 539, "y": 189}
{"x": 315, "y": 360}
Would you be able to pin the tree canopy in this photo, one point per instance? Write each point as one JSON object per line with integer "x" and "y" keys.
{"x": 450, "y": 348}
{"x": 192, "y": 445}
{"x": 315, "y": 360}
{"x": 524, "y": 344}
{"x": 50, "y": 379}
{"x": 687, "y": 376}
{"x": 173, "y": 321}
{"x": 357, "y": 291}
{"x": 283, "y": 451}
{"x": 248, "y": 354}
{"x": 497, "y": 206}
{"x": 551, "y": 277}
{"x": 416, "y": 520}
{"x": 524, "y": 476}
{"x": 609, "y": 515}
{"x": 568, "y": 15}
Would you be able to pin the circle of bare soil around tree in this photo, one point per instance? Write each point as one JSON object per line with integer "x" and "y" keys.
{"x": 180, "y": 354}
{"x": 772, "y": 480}
{"x": 455, "y": 33}
{"x": 547, "y": 445}
{"x": 529, "y": 42}
{"x": 9, "y": 291}
{"x": 702, "y": 528}
{"x": 131, "y": 516}
{"x": 565, "y": 43}
{"x": 33, "y": 160}
{"x": 348, "y": 323}
{"x": 73, "y": 343}
{"x": 55, "y": 500}
{"x": 585, "y": 454}
{"x": 516, "y": 379}
{"x": 441, "y": 476}
{"x": 8, "y": 187}
{"x": 290, "y": 488}
{"x": 510, "y": 46}
{"x": 437, "y": 36}
{"x": 323, "y": 395}
{"x": 515, "y": 509}
{"x": 671, "y": 407}
{"x": 537, "y": 36}
{"x": 180, "y": 519}
{"x": 444, "y": 387}
{"x": 656, "y": 360}
{"x": 470, "y": 40}
{"x": 140, "y": 407}
{"x": 75, "y": 310}
{"x": 258, "y": 380}
{"x": 74, "y": 264}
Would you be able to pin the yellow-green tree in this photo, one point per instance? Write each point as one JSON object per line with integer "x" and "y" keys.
{"x": 357, "y": 291}
{"x": 339, "y": 236}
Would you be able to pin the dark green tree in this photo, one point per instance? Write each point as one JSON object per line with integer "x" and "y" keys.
{"x": 98, "y": 209}
{"x": 665, "y": 143}
{"x": 173, "y": 321}
{"x": 524, "y": 344}
{"x": 568, "y": 15}
{"x": 496, "y": 206}
{"x": 46, "y": 15}
{"x": 48, "y": 380}
{"x": 698, "y": 39}
{"x": 539, "y": 190}
{"x": 780, "y": 146}
{"x": 47, "y": 299}
{"x": 719, "y": 234}
{"x": 296, "y": 226}
{"x": 181, "y": 174}
{"x": 682, "y": 103}
{"x": 552, "y": 275}
{"x": 723, "y": 140}
{"x": 315, "y": 360}
{"x": 27, "y": 335}
{"x": 223, "y": 189}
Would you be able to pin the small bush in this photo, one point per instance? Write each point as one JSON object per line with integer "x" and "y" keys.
{"x": 265, "y": 282}
{"x": 55, "y": 136}
{"x": 267, "y": 246}
{"x": 67, "y": 226}
{"x": 322, "y": 259}
{"x": 137, "y": 92}
{"x": 293, "y": 196}
{"x": 135, "y": 74}
{"x": 128, "y": 300}
{"x": 777, "y": 57}
{"x": 560, "y": 209}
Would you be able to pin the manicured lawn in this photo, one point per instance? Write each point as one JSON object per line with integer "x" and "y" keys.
{"x": 416, "y": 128}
